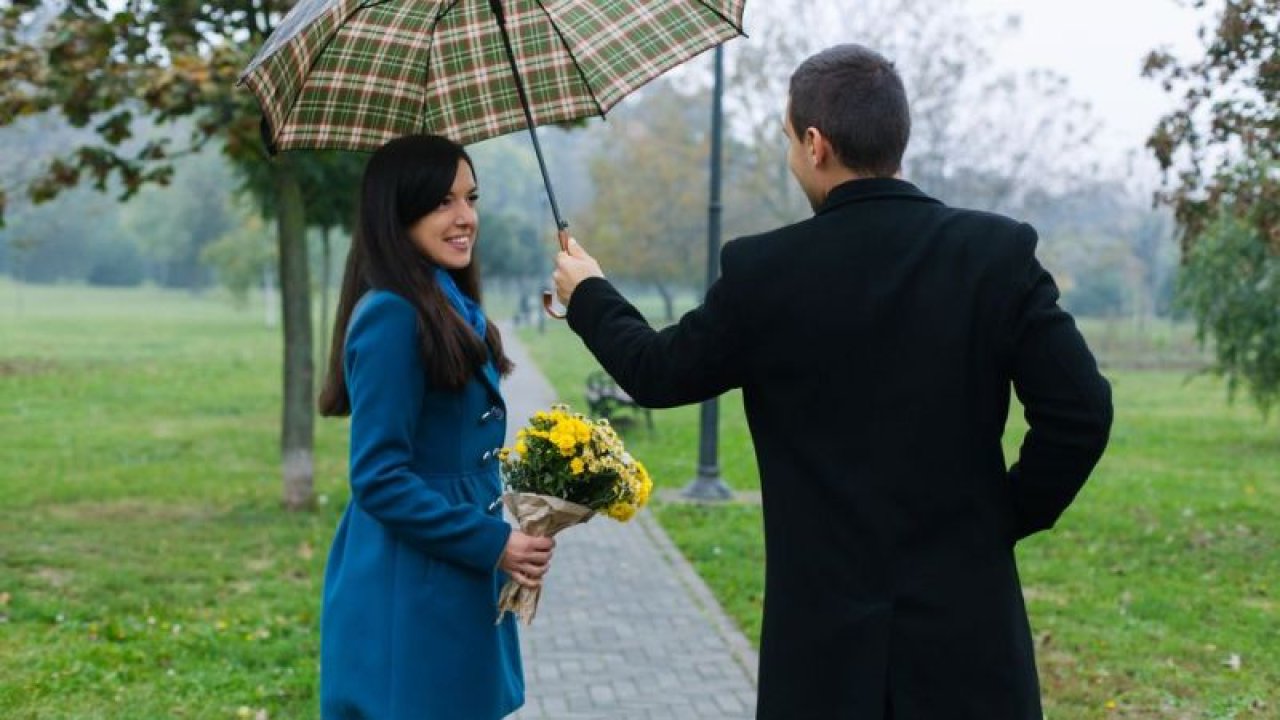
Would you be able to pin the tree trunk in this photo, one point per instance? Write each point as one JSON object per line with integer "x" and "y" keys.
{"x": 326, "y": 253}
{"x": 298, "y": 422}
{"x": 668, "y": 302}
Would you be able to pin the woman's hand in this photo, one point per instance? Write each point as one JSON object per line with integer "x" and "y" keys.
{"x": 527, "y": 558}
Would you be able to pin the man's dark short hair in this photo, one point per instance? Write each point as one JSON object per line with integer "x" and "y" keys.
{"x": 855, "y": 98}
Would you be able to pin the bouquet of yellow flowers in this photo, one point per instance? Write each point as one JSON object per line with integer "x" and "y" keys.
{"x": 563, "y": 469}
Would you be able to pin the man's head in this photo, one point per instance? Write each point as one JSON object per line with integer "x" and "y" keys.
{"x": 847, "y": 117}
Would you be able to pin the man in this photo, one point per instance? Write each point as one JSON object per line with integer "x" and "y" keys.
{"x": 875, "y": 345}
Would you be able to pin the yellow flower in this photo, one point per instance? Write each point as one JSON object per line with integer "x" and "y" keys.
{"x": 645, "y": 485}
{"x": 621, "y": 511}
{"x": 559, "y": 444}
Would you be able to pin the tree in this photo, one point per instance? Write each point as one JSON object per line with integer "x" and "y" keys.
{"x": 1110, "y": 251}
{"x": 1231, "y": 285}
{"x": 979, "y": 139}
{"x": 329, "y": 182}
{"x": 241, "y": 255}
{"x": 106, "y": 65}
{"x": 175, "y": 223}
{"x": 1220, "y": 151}
{"x": 649, "y": 213}
{"x": 517, "y": 230}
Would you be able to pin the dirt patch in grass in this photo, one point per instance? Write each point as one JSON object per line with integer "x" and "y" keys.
{"x": 55, "y": 578}
{"x": 21, "y": 367}
{"x": 128, "y": 510}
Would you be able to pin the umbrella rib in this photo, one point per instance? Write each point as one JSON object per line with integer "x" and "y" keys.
{"x": 446, "y": 11}
{"x": 572, "y": 57}
{"x": 728, "y": 21}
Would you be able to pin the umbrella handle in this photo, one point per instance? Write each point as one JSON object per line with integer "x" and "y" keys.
{"x": 548, "y": 297}
{"x": 548, "y": 305}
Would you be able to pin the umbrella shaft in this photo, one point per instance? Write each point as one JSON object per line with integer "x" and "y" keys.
{"x": 496, "y": 6}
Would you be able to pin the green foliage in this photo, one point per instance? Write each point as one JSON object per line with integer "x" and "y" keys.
{"x": 330, "y": 182}
{"x": 117, "y": 265}
{"x": 176, "y": 223}
{"x": 241, "y": 255}
{"x": 1221, "y": 154}
{"x": 648, "y": 218}
{"x": 1097, "y": 294}
{"x": 510, "y": 246}
{"x": 105, "y": 68}
{"x": 64, "y": 242}
{"x": 1221, "y": 147}
{"x": 1153, "y": 598}
{"x": 1231, "y": 285}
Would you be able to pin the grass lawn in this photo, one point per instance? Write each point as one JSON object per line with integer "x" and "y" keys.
{"x": 1158, "y": 594}
{"x": 147, "y": 570}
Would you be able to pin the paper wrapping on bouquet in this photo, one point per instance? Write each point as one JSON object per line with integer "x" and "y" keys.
{"x": 541, "y": 516}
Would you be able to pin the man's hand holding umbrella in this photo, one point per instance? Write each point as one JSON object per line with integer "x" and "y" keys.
{"x": 573, "y": 265}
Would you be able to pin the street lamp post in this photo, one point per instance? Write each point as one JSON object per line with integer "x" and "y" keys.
{"x": 708, "y": 485}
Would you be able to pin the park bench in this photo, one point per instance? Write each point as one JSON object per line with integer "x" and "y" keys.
{"x": 605, "y": 399}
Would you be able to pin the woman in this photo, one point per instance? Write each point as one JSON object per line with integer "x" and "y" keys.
{"x": 410, "y": 592}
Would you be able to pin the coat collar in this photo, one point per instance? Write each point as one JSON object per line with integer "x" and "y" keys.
{"x": 872, "y": 189}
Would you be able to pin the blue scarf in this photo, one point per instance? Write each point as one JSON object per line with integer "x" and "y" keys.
{"x": 470, "y": 311}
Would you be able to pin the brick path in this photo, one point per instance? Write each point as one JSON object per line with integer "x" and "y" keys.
{"x": 625, "y": 630}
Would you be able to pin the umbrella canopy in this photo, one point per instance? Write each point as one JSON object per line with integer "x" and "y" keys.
{"x": 353, "y": 74}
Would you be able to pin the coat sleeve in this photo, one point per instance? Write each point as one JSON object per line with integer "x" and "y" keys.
{"x": 386, "y": 379}
{"x": 694, "y": 360}
{"x": 1066, "y": 401}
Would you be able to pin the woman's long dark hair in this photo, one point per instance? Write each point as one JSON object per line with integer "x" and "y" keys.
{"x": 405, "y": 180}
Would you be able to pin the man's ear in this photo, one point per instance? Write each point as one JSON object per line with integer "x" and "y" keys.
{"x": 817, "y": 147}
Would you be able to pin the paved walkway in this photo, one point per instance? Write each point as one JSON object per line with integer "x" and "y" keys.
{"x": 625, "y": 630}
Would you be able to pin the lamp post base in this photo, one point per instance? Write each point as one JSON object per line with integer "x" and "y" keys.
{"x": 707, "y": 487}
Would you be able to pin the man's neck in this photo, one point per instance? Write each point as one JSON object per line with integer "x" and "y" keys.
{"x": 837, "y": 177}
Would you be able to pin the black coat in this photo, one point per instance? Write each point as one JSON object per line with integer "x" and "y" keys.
{"x": 875, "y": 345}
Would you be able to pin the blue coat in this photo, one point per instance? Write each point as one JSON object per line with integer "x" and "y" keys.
{"x": 410, "y": 593}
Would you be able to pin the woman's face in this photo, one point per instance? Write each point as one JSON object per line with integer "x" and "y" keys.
{"x": 447, "y": 234}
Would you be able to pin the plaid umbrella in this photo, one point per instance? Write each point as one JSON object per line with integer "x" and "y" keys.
{"x": 354, "y": 74}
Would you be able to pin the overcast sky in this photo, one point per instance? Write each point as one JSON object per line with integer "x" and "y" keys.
{"x": 1099, "y": 46}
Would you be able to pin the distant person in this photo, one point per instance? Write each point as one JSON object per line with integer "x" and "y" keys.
{"x": 875, "y": 345}
{"x": 524, "y": 308}
{"x": 410, "y": 592}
